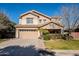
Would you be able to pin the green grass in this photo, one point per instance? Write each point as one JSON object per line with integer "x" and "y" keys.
{"x": 62, "y": 44}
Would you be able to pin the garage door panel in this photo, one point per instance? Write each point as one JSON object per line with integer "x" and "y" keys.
{"x": 28, "y": 34}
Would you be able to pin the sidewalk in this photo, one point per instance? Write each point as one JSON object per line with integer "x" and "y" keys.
{"x": 66, "y": 52}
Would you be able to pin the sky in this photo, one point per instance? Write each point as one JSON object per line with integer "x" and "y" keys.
{"x": 14, "y": 10}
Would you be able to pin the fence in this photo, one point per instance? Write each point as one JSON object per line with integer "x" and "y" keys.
{"x": 75, "y": 34}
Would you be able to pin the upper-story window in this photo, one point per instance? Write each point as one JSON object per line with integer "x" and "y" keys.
{"x": 40, "y": 20}
{"x": 29, "y": 20}
{"x": 44, "y": 20}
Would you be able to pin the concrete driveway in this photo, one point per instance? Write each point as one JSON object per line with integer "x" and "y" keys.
{"x": 23, "y": 47}
{"x": 31, "y": 47}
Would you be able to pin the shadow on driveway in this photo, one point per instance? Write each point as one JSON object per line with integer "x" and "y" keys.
{"x": 24, "y": 51}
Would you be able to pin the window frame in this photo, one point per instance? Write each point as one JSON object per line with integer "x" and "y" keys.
{"x": 44, "y": 20}
{"x": 29, "y": 20}
{"x": 40, "y": 20}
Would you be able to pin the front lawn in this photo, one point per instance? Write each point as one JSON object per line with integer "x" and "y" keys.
{"x": 62, "y": 44}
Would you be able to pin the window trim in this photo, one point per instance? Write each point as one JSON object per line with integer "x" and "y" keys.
{"x": 44, "y": 20}
{"x": 29, "y": 22}
{"x": 40, "y": 20}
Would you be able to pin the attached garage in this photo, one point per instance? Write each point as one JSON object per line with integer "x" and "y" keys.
{"x": 28, "y": 34}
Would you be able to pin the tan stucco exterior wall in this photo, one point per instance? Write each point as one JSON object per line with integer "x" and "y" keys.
{"x": 36, "y": 19}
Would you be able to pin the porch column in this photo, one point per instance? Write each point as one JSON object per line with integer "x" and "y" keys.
{"x": 62, "y": 30}
{"x": 39, "y": 34}
{"x": 17, "y": 33}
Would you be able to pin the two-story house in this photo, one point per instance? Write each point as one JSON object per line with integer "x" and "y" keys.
{"x": 31, "y": 21}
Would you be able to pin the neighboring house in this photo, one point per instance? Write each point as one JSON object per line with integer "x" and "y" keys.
{"x": 30, "y": 22}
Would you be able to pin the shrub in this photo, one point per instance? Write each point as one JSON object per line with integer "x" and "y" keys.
{"x": 46, "y": 37}
{"x": 45, "y": 32}
{"x": 67, "y": 37}
{"x": 56, "y": 36}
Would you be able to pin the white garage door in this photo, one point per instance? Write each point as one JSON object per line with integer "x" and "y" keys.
{"x": 28, "y": 34}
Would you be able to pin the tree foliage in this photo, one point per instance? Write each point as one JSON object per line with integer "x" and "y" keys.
{"x": 7, "y": 28}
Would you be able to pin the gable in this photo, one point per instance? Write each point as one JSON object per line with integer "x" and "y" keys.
{"x": 36, "y": 18}
{"x": 51, "y": 26}
{"x": 28, "y": 15}
{"x": 37, "y": 14}
{"x": 23, "y": 19}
